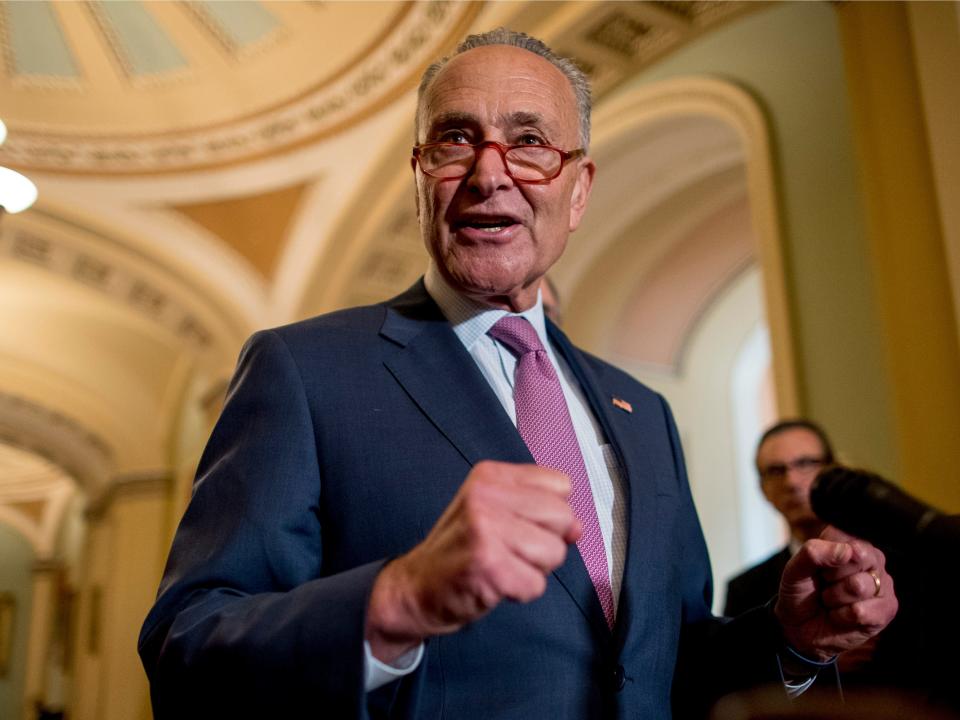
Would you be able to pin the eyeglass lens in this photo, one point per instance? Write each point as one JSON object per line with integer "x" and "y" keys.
{"x": 803, "y": 464}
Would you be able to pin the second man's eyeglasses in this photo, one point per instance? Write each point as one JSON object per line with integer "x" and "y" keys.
{"x": 804, "y": 464}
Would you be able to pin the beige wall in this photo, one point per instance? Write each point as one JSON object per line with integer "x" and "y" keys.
{"x": 850, "y": 286}
{"x": 908, "y": 252}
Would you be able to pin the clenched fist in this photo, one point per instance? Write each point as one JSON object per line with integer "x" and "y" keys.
{"x": 506, "y": 529}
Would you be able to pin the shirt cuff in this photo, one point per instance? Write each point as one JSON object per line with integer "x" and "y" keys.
{"x": 379, "y": 674}
{"x": 798, "y": 672}
{"x": 795, "y": 688}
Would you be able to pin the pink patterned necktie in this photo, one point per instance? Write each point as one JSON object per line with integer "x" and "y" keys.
{"x": 543, "y": 420}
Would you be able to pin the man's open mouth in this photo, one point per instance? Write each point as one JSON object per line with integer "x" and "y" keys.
{"x": 487, "y": 224}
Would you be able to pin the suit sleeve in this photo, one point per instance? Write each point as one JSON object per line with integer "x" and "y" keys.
{"x": 246, "y": 623}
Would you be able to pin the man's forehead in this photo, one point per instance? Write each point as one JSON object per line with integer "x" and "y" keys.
{"x": 528, "y": 89}
{"x": 791, "y": 440}
{"x": 482, "y": 66}
{"x": 506, "y": 118}
{"x": 508, "y": 54}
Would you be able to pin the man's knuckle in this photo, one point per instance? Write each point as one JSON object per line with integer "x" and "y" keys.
{"x": 536, "y": 587}
{"x": 484, "y": 467}
{"x": 856, "y": 585}
{"x": 489, "y": 596}
{"x": 475, "y": 503}
{"x": 483, "y": 556}
{"x": 483, "y": 474}
{"x": 556, "y": 552}
{"x": 860, "y": 613}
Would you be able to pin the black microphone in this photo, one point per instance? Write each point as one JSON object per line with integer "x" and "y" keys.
{"x": 922, "y": 547}
{"x": 864, "y": 504}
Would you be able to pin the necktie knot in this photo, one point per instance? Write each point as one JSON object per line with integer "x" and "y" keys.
{"x": 517, "y": 334}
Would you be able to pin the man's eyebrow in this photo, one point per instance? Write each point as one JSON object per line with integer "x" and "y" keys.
{"x": 453, "y": 119}
{"x": 456, "y": 118}
{"x": 525, "y": 117}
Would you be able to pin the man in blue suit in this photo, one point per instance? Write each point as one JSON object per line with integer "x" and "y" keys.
{"x": 369, "y": 535}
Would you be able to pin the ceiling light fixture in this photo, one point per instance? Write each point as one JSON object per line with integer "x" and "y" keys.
{"x": 17, "y": 193}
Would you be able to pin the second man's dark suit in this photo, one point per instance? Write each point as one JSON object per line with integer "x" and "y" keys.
{"x": 756, "y": 585}
{"x": 342, "y": 440}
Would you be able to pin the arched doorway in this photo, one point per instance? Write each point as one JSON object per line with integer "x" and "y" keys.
{"x": 675, "y": 276}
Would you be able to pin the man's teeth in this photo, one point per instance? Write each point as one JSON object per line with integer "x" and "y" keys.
{"x": 491, "y": 227}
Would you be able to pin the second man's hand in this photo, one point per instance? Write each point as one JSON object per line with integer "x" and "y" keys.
{"x": 506, "y": 529}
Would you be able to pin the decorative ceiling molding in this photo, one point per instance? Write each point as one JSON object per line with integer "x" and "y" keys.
{"x": 385, "y": 253}
{"x": 148, "y": 483}
{"x": 392, "y": 262}
{"x": 386, "y": 68}
{"x": 38, "y": 519}
{"x": 39, "y": 48}
{"x": 138, "y": 42}
{"x": 238, "y": 27}
{"x": 613, "y": 41}
{"x": 60, "y": 440}
{"x": 111, "y": 267}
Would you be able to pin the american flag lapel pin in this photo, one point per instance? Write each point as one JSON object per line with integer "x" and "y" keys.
{"x": 622, "y": 404}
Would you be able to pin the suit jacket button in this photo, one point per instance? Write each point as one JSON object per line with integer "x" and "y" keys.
{"x": 619, "y": 680}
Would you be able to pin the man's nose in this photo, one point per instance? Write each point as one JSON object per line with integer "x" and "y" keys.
{"x": 489, "y": 172}
{"x": 795, "y": 478}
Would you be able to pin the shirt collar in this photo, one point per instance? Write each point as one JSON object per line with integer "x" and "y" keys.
{"x": 470, "y": 319}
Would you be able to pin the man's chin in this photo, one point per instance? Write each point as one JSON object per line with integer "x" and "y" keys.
{"x": 489, "y": 282}
{"x": 515, "y": 298}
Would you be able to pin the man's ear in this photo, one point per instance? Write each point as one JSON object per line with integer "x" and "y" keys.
{"x": 581, "y": 191}
{"x": 416, "y": 187}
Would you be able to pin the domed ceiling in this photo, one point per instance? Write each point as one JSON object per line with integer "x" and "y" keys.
{"x": 208, "y": 168}
{"x": 159, "y": 86}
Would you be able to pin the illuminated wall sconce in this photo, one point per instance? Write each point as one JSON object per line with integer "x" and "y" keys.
{"x": 17, "y": 193}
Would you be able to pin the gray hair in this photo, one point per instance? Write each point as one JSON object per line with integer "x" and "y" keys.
{"x": 502, "y": 36}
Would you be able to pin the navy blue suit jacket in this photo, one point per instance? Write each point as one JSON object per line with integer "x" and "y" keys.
{"x": 342, "y": 440}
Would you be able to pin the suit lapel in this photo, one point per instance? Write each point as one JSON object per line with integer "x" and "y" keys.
{"x": 629, "y": 438}
{"x": 441, "y": 377}
{"x": 618, "y": 428}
